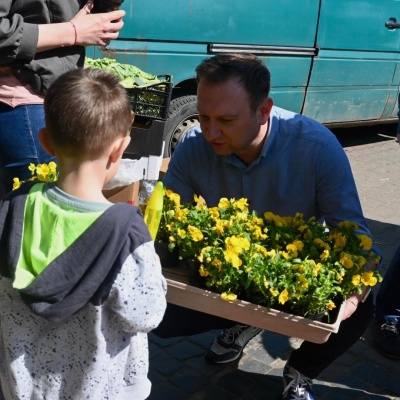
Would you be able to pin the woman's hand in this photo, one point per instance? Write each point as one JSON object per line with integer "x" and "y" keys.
{"x": 85, "y": 29}
{"x": 97, "y": 29}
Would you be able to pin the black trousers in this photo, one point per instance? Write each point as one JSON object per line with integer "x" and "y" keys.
{"x": 310, "y": 358}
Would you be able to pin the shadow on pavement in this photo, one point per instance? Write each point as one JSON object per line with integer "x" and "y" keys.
{"x": 358, "y": 136}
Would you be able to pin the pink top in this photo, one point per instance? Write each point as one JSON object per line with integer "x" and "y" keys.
{"x": 13, "y": 93}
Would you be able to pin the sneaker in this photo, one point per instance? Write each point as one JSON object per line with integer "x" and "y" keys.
{"x": 387, "y": 339}
{"x": 296, "y": 385}
{"x": 229, "y": 345}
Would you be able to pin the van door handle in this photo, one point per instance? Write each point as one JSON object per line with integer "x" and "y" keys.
{"x": 392, "y": 24}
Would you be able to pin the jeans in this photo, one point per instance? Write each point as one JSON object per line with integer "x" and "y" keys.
{"x": 19, "y": 145}
{"x": 310, "y": 358}
{"x": 388, "y": 299}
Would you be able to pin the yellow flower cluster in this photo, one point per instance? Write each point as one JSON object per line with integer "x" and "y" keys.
{"x": 276, "y": 261}
{"x": 41, "y": 172}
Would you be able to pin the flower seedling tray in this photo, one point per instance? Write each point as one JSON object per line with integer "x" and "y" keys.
{"x": 184, "y": 295}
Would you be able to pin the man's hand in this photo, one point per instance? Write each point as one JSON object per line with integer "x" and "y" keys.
{"x": 353, "y": 301}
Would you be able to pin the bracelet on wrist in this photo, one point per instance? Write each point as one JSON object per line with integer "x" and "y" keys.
{"x": 75, "y": 32}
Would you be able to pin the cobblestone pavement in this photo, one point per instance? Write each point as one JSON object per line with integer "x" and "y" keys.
{"x": 178, "y": 369}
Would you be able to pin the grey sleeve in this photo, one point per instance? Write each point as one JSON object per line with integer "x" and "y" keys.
{"x": 18, "y": 40}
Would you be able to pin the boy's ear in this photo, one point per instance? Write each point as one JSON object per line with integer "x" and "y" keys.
{"x": 118, "y": 148}
{"x": 45, "y": 141}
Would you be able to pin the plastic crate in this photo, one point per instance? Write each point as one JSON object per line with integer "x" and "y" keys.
{"x": 152, "y": 101}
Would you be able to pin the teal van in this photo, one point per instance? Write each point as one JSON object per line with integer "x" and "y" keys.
{"x": 337, "y": 61}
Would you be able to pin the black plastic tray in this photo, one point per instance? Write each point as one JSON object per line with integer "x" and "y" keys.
{"x": 152, "y": 101}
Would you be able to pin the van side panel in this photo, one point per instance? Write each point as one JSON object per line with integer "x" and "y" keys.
{"x": 263, "y": 22}
{"x": 174, "y": 37}
{"x": 353, "y": 77}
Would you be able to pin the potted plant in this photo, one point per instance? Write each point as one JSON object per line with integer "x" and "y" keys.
{"x": 281, "y": 262}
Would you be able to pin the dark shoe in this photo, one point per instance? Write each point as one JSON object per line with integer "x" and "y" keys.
{"x": 387, "y": 339}
{"x": 229, "y": 345}
{"x": 296, "y": 386}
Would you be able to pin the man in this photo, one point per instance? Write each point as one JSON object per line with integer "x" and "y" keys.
{"x": 387, "y": 327}
{"x": 281, "y": 162}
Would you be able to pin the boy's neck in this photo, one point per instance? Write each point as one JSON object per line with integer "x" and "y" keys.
{"x": 85, "y": 181}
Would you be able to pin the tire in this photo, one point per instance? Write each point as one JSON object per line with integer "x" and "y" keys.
{"x": 182, "y": 116}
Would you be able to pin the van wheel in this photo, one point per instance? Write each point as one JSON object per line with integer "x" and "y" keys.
{"x": 182, "y": 116}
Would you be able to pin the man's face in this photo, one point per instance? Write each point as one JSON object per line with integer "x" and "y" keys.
{"x": 228, "y": 122}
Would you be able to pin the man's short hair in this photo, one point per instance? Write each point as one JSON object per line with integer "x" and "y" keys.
{"x": 86, "y": 110}
{"x": 247, "y": 68}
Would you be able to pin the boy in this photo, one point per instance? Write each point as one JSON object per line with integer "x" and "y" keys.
{"x": 80, "y": 282}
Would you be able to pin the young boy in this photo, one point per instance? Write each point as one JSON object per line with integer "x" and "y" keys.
{"x": 80, "y": 282}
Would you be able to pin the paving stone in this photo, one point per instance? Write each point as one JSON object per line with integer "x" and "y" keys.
{"x": 185, "y": 349}
{"x": 166, "y": 364}
{"x": 167, "y": 392}
{"x": 190, "y": 380}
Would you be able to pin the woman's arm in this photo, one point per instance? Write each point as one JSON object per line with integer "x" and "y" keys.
{"x": 84, "y": 29}
{"x": 21, "y": 40}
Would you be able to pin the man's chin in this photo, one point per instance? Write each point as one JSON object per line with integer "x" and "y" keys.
{"x": 221, "y": 149}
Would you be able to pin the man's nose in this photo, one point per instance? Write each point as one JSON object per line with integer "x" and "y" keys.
{"x": 211, "y": 130}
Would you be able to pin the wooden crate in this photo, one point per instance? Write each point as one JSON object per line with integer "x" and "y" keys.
{"x": 182, "y": 294}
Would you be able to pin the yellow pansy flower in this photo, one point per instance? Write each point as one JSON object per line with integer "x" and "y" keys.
{"x": 302, "y": 283}
{"x": 241, "y": 204}
{"x": 228, "y": 296}
{"x": 16, "y": 183}
{"x": 32, "y": 168}
{"x": 214, "y": 212}
{"x": 331, "y": 305}
{"x": 237, "y": 244}
{"x": 284, "y": 296}
{"x": 292, "y": 249}
{"x": 274, "y": 292}
{"x": 52, "y": 166}
{"x": 355, "y": 280}
{"x": 340, "y": 240}
{"x": 224, "y": 203}
{"x": 181, "y": 232}
{"x": 324, "y": 255}
{"x": 173, "y": 196}
{"x": 348, "y": 224}
{"x": 232, "y": 257}
{"x": 299, "y": 245}
{"x": 203, "y": 272}
{"x": 368, "y": 278}
{"x": 346, "y": 260}
{"x": 366, "y": 242}
{"x": 195, "y": 233}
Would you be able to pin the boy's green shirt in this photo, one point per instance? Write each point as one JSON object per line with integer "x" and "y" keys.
{"x": 40, "y": 216}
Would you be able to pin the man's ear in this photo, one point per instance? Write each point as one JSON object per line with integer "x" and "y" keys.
{"x": 265, "y": 110}
{"x": 45, "y": 141}
{"x": 118, "y": 148}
